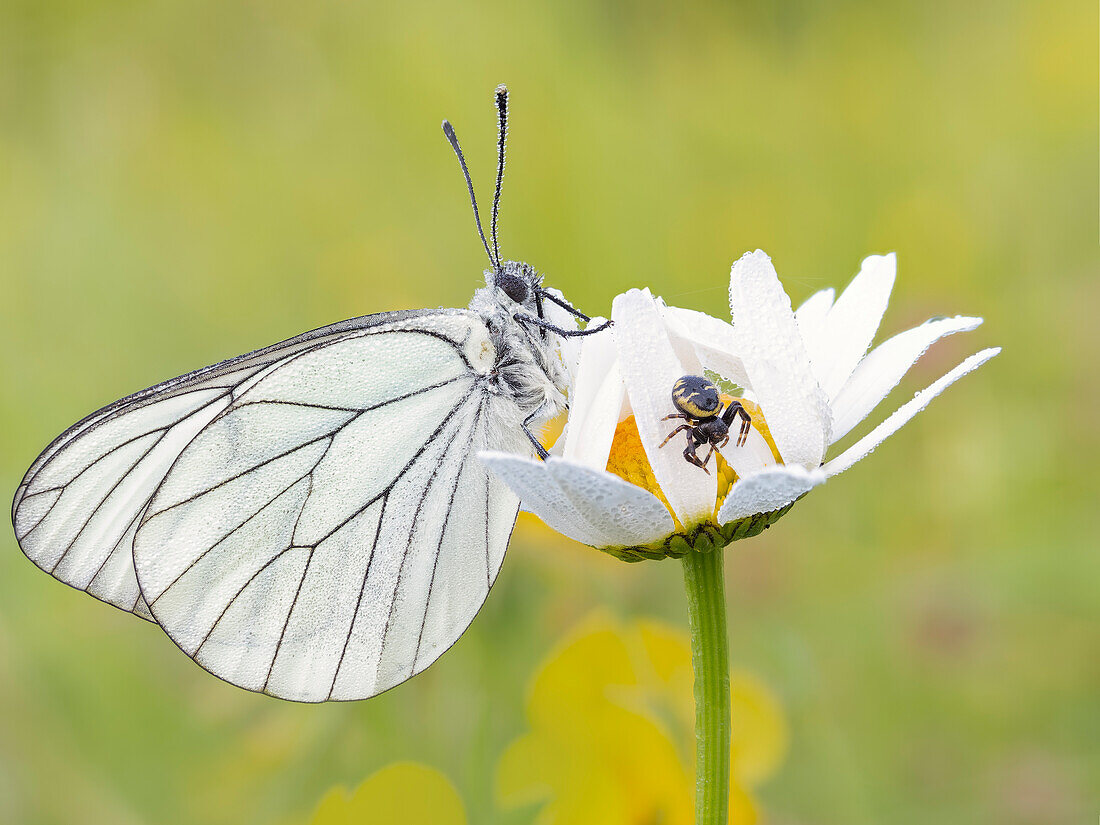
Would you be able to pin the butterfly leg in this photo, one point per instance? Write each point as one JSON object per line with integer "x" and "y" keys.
{"x": 564, "y": 333}
{"x": 526, "y": 425}
{"x": 534, "y": 441}
{"x": 568, "y": 307}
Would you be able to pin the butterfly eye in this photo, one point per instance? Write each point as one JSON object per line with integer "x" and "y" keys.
{"x": 514, "y": 287}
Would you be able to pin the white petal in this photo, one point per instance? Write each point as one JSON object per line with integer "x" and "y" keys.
{"x": 591, "y": 506}
{"x": 683, "y": 348}
{"x": 902, "y": 415}
{"x": 811, "y": 318}
{"x": 768, "y": 490}
{"x": 778, "y": 366}
{"x": 558, "y": 447}
{"x": 852, "y": 322}
{"x": 750, "y": 459}
{"x": 541, "y": 495}
{"x": 650, "y": 368}
{"x": 624, "y": 513}
{"x": 595, "y": 403}
{"x": 884, "y": 367}
{"x": 714, "y": 341}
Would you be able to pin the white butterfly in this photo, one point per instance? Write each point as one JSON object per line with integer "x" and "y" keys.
{"x": 311, "y": 520}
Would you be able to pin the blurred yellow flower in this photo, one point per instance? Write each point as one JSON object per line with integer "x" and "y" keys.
{"x": 611, "y": 716}
{"x": 404, "y": 792}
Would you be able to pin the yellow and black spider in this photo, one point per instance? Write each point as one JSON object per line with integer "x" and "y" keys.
{"x": 700, "y": 404}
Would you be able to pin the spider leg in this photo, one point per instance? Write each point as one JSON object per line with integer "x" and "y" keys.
{"x": 677, "y": 415}
{"x": 730, "y": 411}
{"x": 734, "y": 410}
{"x": 681, "y": 427}
{"x": 691, "y": 456}
{"x": 746, "y": 425}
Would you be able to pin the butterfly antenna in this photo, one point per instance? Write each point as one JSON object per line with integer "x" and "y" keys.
{"x": 452, "y": 138}
{"x": 502, "y": 110}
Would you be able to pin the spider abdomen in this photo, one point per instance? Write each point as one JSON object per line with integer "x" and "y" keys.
{"x": 696, "y": 396}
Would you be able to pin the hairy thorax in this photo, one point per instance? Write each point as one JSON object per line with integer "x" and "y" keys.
{"x": 528, "y": 368}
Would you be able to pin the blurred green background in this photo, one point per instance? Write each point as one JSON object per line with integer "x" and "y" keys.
{"x": 181, "y": 182}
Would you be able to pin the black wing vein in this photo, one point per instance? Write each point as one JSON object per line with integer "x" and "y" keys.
{"x": 103, "y": 500}
{"x": 389, "y": 487}
{"x": 239, "y": 527}
{"x": 362, "y": 588}
{"x": 443, "y": 532}
{"x": 408, "y": 541}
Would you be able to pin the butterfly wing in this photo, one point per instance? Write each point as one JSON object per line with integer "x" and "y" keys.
{"x": 77, "y": 509}
{"x": 332, "y": 532}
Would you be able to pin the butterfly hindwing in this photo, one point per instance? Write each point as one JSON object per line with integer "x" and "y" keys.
{"x": 332, "y": 531}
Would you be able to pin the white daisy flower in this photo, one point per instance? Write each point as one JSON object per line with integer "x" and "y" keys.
{"x": 805, "y": 380}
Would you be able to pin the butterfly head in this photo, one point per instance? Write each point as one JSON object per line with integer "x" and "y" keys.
{"x": 517, "y": 280}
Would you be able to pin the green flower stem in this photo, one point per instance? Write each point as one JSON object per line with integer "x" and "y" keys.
{"x": 706, "y": 599}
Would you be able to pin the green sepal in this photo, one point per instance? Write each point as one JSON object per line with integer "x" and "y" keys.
{"x": 678, "y": 547}
{"x": 703, "y": 538}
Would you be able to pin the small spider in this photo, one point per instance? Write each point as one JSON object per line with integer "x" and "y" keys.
{"x": 700, "y": 405}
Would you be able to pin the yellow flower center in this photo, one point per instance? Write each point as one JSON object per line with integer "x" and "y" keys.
{"x": 629, "y": 462}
